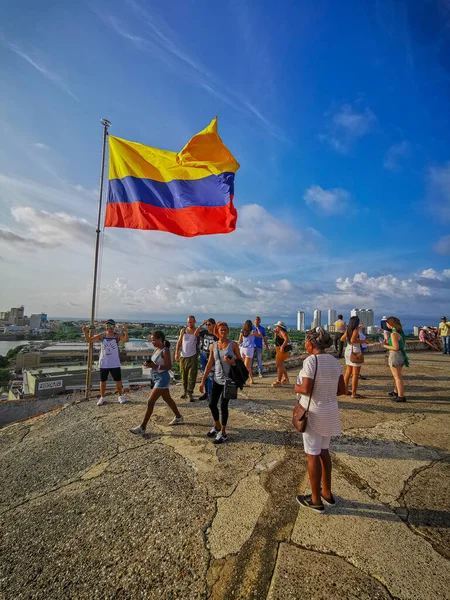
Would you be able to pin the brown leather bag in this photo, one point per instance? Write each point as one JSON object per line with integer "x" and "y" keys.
{"x": 300, "y": 414}
{"x": 357, "y": 358}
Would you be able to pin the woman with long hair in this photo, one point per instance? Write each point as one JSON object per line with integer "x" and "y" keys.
{"x": 222, "y": 356}
{"x": 321, "y": 372}
{"x": 247, "y": 346}
{"x": 283, "y": 349}
{"x": 160, "y": 364}
{"x": 351, "y": 336}
{"x": 397, "y": 358}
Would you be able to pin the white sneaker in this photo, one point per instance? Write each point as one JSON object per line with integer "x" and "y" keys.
{"x": 100, "y": 401}
{"x": 138, "y": 430}
{"x": 122, "y": 399}
{"x": 177, "y": 421}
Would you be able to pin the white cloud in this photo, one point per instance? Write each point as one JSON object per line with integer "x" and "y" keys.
{"x": 63, "y": 197}
{"x": 346, "y": 125}
{"x": 49, "y": 230}
{"x": 39, "y": 65}
{"x": 260, "y": 230}
{"x": 396, "y": 155}
{"x": 327, "y": 202}
{"x": 439, "y": 190}
{"x": 41, "y": 146}
{"x": 384, "y": 285}
{"x": 443, "y": 245}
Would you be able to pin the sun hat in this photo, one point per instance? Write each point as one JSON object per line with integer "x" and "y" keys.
{"x": 281, "y": 324}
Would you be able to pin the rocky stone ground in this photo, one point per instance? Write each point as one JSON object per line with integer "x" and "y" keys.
{"x": 87, "y": 510}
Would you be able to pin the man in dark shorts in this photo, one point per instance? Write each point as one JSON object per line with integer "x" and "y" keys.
{"x": 109, "y": 361}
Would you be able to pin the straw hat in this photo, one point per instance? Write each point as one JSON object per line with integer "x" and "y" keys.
{"x": 281, "y": 324}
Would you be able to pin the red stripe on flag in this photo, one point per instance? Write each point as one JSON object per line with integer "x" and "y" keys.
{"x": 188, "y": 222}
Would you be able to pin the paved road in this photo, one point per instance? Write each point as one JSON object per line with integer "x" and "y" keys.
{"x": 90, "y": 511}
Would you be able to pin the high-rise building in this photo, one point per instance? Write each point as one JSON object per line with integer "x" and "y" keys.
{"x": 16, "y": 316}
{"x": 354, "y": 312}
{"x": 317, "y": 318}
{"x": 331, "y": 316}
{"x": 366, "y": 316}
{"x": 300, "y": 320}
{"x": 38, "y": 321}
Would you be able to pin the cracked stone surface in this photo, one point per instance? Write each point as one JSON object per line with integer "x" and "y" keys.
{"x": 325, "y": 577}
{"x": 373, "y": 538}
{"x": 429, "y": 513}
{"x": 236, "y": 517}
{"x": 119, "y": 534}
{"x": 88, "y": 510}
{"x": 383, "y": 457}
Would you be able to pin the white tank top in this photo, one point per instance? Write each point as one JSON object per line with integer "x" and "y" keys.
{"x": 109, "y": 354}
{"x": 189, "y": 345}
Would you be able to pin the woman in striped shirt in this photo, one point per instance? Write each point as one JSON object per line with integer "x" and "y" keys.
{"x": 322, "y": 373}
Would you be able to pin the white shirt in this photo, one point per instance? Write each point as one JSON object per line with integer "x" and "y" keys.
{"x": 323, "y": 415}
{"x": 109, "y": 354}
{"x": 189, "y": 345}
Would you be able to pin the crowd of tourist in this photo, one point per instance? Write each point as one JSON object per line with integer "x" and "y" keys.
{"x": 227, "y": 365}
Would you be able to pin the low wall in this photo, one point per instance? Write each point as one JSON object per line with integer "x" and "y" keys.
{"x": 297, "y": 361}
{"x": 17, "y": 410}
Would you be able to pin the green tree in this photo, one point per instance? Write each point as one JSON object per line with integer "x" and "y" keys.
{"x": 5, "y": 376}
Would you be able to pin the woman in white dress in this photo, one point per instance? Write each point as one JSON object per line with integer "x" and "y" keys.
{"x": 351, "y": 336}
{"x": 322, "y": 373}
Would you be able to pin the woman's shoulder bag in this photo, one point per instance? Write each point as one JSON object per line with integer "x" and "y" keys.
{"x": 300, "y": 414}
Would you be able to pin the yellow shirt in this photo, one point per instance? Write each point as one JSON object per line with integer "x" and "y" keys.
{"x": 340, "y": 326}
{"x": 444, "y": 328}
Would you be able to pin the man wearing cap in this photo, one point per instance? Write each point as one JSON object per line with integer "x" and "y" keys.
{"x": 444, "y": 332}
{"x": 109, "y": 361}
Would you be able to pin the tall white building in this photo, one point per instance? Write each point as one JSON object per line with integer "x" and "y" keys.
{"x": 300, "y": 320}
{"x": 37, "y": 321}
{"x": 331, "y": 316}
{"x": 366, "y": 316}
{"x": 317, "y": 318}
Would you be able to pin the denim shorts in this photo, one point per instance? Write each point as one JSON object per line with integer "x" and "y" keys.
{"x": 161, "y": 379}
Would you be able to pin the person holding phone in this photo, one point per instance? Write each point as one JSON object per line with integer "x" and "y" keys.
{"x": 160, "y": 364}
{"x": 352, "y": 369}
{"x": 222, "y": 356}
{"x": 397, "y": 357}
{"x": 109, "y": 361}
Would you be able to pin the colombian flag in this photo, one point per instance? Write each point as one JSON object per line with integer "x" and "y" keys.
{"x": 187, "y": 193}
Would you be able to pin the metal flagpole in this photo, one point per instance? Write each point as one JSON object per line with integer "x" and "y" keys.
{"x": 105, "y": 124}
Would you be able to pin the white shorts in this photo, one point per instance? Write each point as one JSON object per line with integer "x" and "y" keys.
{"x": 313, "y": 443}
{"x": 247, "y": 352}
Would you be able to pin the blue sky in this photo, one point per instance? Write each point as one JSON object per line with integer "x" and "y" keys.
{"x": 337, "y": 112}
